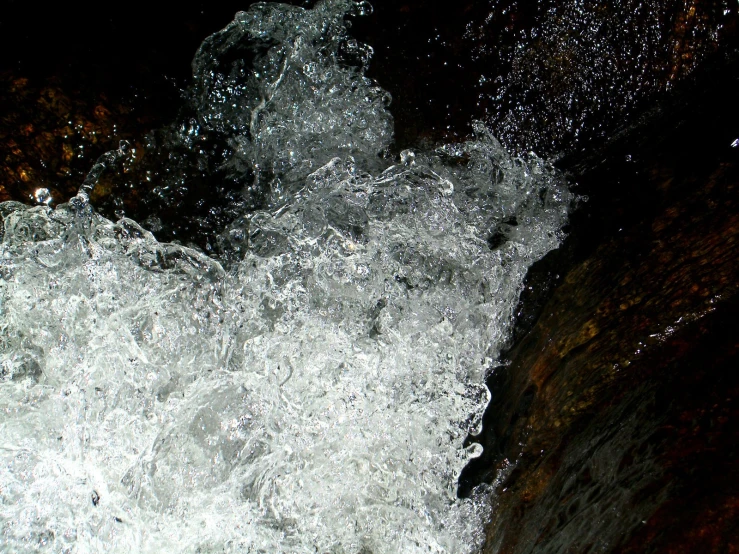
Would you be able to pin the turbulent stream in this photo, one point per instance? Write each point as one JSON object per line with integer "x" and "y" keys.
{"x": 309, "y": 388}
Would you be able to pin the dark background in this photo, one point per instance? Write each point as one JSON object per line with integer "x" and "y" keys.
{"x": 124, "y": 49}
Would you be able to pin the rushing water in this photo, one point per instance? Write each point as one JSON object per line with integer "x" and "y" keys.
{"x": 309, "y": 390}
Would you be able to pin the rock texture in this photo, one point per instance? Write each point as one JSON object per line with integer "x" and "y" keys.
{"x": 50, "y": 136}
{"x": 624, "y": 396}
{"x": 614, "y": 426}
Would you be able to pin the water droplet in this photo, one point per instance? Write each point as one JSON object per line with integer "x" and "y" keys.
{"x": 43, "y": 196}
{"x": 407, "y": 157}
{"x": 362, "y": 8}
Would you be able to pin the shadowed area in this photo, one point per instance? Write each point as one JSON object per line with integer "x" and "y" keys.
{"x": 617, "y": 407}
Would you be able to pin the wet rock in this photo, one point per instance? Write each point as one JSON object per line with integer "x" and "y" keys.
{"x": 623, "y": 395}
{"x": 50, "y": 136}
{"x": 612, "y": 426}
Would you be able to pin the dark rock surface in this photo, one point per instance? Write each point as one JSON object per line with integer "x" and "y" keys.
{"x": 613, "y": 425}
{"x": 620, "y": 409}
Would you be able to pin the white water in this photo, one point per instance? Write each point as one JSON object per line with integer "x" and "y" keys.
{"x": 313, "y": 396}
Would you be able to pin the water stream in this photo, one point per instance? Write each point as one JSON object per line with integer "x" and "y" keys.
{"x": 306, "y": 385}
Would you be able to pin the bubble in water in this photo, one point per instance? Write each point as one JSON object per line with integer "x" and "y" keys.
{"x": 362, "y": 8}
{"x": 43, "y": 196}
{"x": 407, "y": 157}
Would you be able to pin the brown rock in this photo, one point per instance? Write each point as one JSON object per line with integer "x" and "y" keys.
{"x": 618, "y": 409}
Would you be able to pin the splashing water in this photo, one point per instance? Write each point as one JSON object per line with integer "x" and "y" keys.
{"x": 314, "y": 395}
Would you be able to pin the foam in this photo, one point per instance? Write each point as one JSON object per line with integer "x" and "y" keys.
{"x": 310, "y": 395}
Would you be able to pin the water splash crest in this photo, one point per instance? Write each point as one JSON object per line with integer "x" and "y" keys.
{"x": 312, "y": 393}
